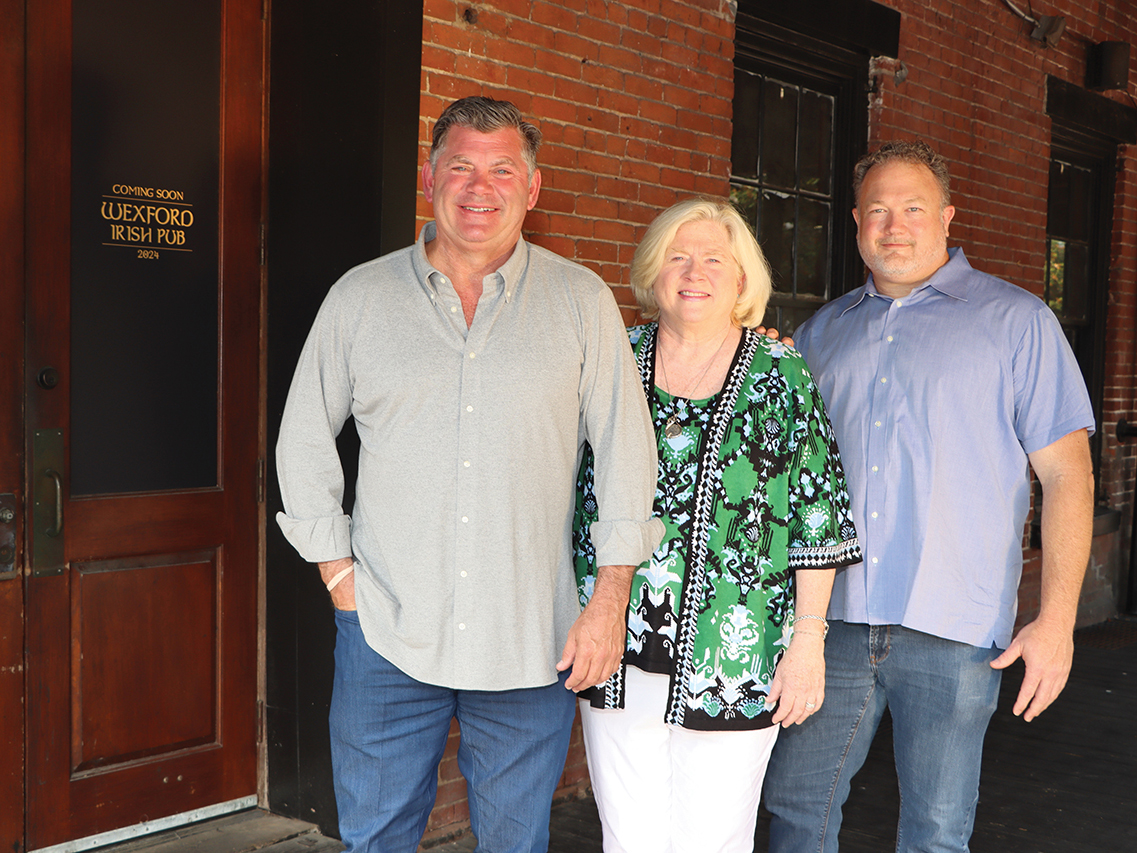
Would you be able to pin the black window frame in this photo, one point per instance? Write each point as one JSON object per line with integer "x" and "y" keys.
{"x": 1097, "y": 156}
{"x": 1088, "y": 128}
{"x": 771, "y": 50}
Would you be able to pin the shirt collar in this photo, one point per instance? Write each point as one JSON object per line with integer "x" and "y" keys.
{"x": 506, "y": 277}
{"x": 951, "y": 280}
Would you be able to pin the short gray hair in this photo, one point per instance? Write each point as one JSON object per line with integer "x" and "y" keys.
{"x": 900, "y": 151}
{"x": 485, "y": 115}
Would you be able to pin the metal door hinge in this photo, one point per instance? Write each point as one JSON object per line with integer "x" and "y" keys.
{"x": 260, "y": 481}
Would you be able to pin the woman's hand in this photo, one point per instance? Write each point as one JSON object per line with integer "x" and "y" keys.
{"x": 799, "y": 681}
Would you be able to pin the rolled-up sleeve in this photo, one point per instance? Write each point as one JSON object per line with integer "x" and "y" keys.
{"x": 308, "y": 464}
{"x": 616, "y": 423}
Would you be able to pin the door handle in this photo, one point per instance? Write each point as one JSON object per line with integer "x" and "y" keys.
{"x": 57, "y": 523}
{"x": 47, "y": 509}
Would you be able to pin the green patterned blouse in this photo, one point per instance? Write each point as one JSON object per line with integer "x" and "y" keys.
{"x": 750, "y": 490}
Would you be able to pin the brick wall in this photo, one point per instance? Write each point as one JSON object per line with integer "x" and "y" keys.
{"x": 634, "y": 100}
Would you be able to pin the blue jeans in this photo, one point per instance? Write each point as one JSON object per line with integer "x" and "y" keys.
{"x": 388, "y": 733}
{"x": 941, "y": 695}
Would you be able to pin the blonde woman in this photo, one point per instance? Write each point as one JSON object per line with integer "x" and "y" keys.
{"x": 726, "y": 624}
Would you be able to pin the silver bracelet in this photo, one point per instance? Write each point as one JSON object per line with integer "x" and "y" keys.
{"x": 821, "y": 619}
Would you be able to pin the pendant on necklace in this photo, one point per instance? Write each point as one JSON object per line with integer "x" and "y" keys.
{"x": 671, "y": 428}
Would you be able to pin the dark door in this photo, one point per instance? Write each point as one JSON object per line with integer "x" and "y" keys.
{"x": 140, "y": 511}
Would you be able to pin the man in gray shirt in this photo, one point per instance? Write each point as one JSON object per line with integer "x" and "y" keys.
{"x": 476, "y": 366}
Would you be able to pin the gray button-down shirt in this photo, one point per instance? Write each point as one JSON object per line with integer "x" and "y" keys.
{"x": 471, "y": 440}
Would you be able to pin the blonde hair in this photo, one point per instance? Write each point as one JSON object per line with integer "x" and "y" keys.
{"x": 755, "y": 271}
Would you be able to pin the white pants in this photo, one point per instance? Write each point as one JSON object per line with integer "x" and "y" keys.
{"x": 665, "y": 789}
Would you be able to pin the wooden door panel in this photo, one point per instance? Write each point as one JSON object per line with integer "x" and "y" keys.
{"x": 191, "y": 780}
{"x": 145, "y": 523}
{"x": 160, "y": 653}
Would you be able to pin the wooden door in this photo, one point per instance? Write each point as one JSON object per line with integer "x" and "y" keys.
{"x": 142, "y": 420}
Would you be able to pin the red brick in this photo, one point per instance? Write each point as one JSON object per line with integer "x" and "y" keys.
{"x": 514, "y": 8}
{"x": 576, "y": 92}
{"x": 617, "y": 102}
{"x": 574, "y": 45}
{"x": 477, "y": 68}
{"x": 554, "y": 15}
{"x": 528, "y": 33}
{"x": 594, "y": 250}
{"x": 618, "y": 57}
{"x": 644, "y": 87}
{"x": 618, "y": 189}
{"x": 600, "y": 119}
{"x": 527, "y": 80}
{"x": 443, "y": 9}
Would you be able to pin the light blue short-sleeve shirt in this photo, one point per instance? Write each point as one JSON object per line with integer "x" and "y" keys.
{"x": 936, "y": 399}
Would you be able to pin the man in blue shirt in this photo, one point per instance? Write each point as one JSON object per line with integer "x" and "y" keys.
{"x": 945, "y": 387}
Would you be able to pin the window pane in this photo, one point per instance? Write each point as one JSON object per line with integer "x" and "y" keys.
{"x": 815, "y": 133}
{"x": 1078, "y": 203}
{"x": 813, "y": 247}
{"x": 779, "y": 134}
{"x": 746, "y": 200}
{"x": 777, "y": 217}
{"x": 1056, "y": 277}
{"x": 744, "y": 142}
{"x": 1058, "y": 201}
{"x": 144, "y": 298}
{"x": 1077, "y": 281}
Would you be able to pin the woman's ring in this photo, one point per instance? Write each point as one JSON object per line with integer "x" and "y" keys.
{"x": 809, "y": 706}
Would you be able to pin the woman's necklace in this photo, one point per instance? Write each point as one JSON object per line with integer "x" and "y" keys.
{"x": 672, "y": 427}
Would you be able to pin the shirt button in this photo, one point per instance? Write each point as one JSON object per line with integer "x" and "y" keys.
{"x": 465, "y": 520}
{"x": 875, "y": 560}
{"x": 469, "y": 408}
{"x": 466, "y": 463}
{"x": 889, "y": 339}
{"x": 883, "y": 379}
{"x": 878, "y": 423}
{"x": 453, "y": 309}
{"x": 472, "y": 355}
{"x": 899, "y": 303}
{"x": 463, "y": 574}
{"x": 461, "y": 626}
{"x": 875, "y": 469}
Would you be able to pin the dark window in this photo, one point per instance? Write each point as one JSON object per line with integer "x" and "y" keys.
{"x": 798, "y": 113}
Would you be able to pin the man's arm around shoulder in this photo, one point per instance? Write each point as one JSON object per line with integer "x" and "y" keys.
{"x": 1046, "y": 645}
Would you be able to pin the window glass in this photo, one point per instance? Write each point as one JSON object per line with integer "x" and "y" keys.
{"x": 782, "y": 183}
